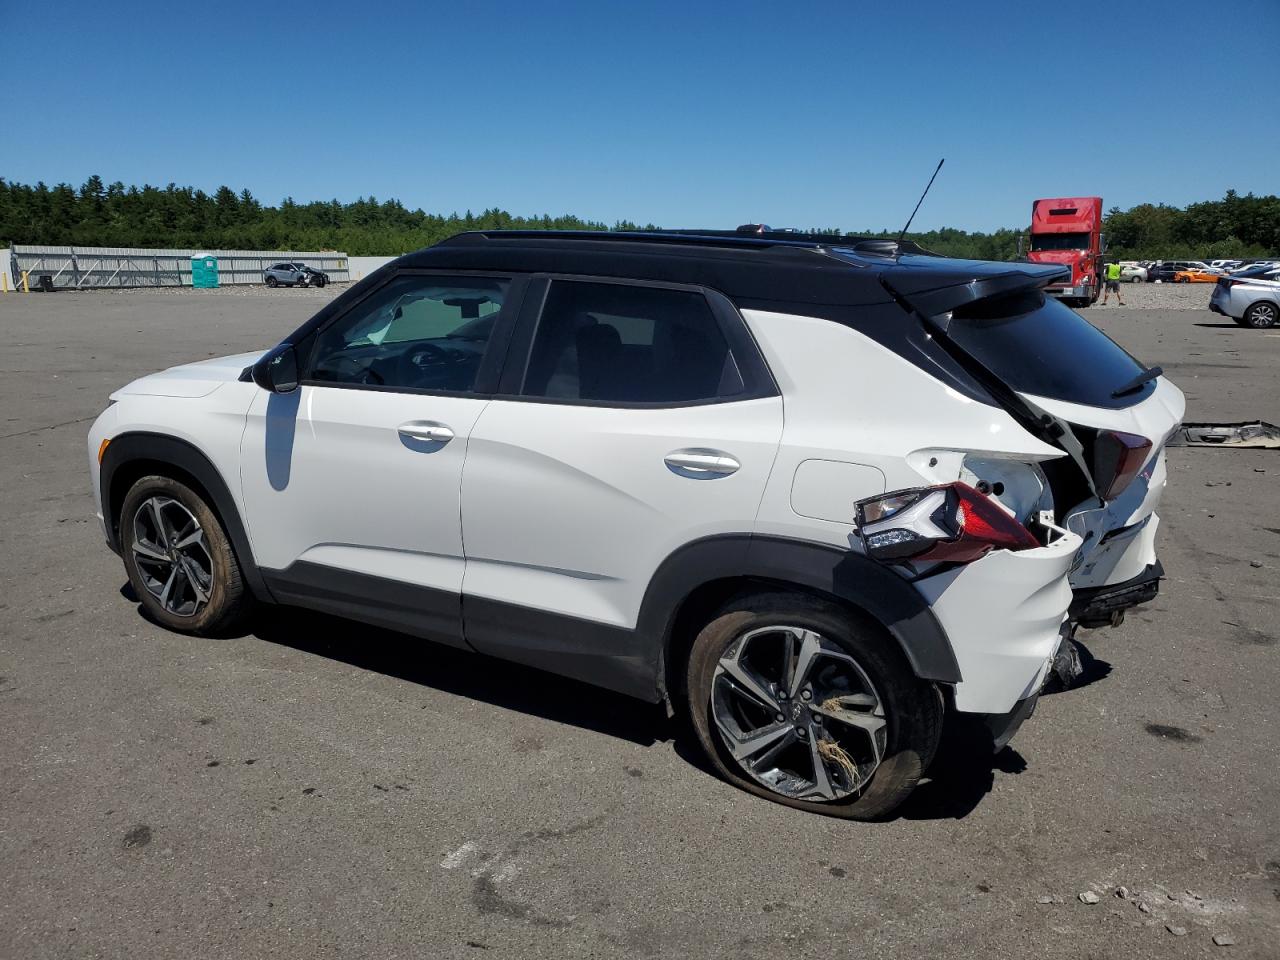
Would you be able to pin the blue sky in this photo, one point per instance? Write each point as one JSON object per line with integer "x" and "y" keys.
{"x": 683, "y": 114}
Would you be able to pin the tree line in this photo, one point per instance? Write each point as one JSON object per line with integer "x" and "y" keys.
{"x": 113, "y": 215}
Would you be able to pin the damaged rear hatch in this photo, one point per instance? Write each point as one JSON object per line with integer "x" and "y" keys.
{"x": 1068, "y": 384}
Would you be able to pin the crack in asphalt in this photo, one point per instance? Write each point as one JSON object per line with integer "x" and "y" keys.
{"x": 52, "y": 426}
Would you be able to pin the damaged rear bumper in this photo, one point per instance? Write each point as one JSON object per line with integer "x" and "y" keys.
{"x": 1099, "y": 606}
{"x": 1004, "y": 616}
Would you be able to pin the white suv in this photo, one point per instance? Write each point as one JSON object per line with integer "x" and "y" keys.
{"x": 816, "y": 492}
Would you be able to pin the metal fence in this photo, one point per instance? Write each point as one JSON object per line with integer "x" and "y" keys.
{"x": 85, "y": 268}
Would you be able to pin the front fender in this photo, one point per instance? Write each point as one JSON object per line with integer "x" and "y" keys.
{"x": 140, "y": 447}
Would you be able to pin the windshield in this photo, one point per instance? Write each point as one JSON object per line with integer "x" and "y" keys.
{"x": 430, "y": 312}
{"x": 1039, "y": 346}
{"x": 1060, "y": 241}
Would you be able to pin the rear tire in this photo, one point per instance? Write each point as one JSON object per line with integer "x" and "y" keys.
{"x": 272, "y": 281}
{"x": 885, "y": 739}
{"x": 179, "y": 561}
{"x": 1261, "y": 315}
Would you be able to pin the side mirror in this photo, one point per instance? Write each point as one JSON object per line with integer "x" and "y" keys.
{"x": 1102, "y": 242}
{"x": 277, "y": 371}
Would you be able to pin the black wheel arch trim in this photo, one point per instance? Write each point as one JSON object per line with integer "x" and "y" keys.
{"x": 132, "y": 447}
{"x": 829, "y": 570}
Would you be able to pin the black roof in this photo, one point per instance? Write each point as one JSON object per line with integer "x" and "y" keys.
{"x": 785, "y": 268}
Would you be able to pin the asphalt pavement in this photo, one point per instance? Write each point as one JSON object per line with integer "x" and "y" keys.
{"x": 318, "y": 788}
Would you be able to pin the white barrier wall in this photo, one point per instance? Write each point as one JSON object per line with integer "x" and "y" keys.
{"x": 360, "y": 267}
{"x": 82, "y": 268}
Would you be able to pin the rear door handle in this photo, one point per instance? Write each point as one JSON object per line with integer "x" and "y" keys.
{"x": 701, "y": 464}
{"x": 426, "y": 431}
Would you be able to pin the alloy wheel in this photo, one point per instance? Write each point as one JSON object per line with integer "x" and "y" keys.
{"x": 798, "y": 714}
{"x": 172, "y": 555}
{"x": 1263, "y": 315}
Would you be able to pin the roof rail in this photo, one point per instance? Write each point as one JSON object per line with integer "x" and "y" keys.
{"x": 868, "y": 246}
{"x": 709, "y": 238}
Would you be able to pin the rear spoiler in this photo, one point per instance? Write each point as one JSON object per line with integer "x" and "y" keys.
{"x": 930, "y": 295}
{"x": 932, "y": 302}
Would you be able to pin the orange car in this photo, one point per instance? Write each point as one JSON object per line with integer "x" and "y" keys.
{"x": 1195, "y": 276}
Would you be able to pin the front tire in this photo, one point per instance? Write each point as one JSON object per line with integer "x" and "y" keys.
{"x": 319, "y": 282}
{"x": 799, "y": 701}
{"x": 1261, "y": 315}
{"x": 179, "y": 561}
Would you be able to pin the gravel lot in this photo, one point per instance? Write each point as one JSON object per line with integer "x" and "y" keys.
{"x": 322, "y": 789}
{"x": 1162, "y": 296}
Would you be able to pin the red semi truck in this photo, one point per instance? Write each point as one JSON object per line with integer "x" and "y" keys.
{"x": 1068, "y": 230}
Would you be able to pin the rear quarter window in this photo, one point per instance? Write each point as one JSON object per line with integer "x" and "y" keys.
{"x": 1037, "y": 345}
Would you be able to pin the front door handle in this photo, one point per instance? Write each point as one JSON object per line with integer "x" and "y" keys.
{"x": 698, "y": 463}
{"x": 425, "y": 431}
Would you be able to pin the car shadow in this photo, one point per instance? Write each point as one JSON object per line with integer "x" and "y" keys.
{"x": 964, "y": 768}
{"x": 462, "y": 673}
{"x": 1219, "y": 326}
{"x": 962, "y": 773}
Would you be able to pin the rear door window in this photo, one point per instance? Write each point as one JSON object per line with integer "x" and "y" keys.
{"x": 1038, "y": 346}
{"x": 610, "y": 343}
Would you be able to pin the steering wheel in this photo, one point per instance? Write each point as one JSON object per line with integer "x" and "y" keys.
{"x": 416, "y": 361}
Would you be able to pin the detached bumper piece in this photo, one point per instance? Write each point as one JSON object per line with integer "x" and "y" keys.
{"x": 1258, "y": 435}
{"x": 1105, "y": 606}
{"x": 1004, "y": 725}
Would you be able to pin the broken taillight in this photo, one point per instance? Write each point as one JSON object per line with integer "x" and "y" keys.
{"x": 953, "y": 523}
{"x": 1117, "y": 458}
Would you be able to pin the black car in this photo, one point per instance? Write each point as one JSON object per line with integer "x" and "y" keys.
{"x": 1165, "y": 270}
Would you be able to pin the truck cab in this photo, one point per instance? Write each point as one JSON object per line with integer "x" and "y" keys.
{"x": 1068, "y": 231}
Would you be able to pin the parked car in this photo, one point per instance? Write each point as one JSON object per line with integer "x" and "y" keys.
{"x": 1251, "y": 298}
{"x": 1255, "y": 264}
{"x": 1195, "y": 275}
{"x": 1133, "y": 273}
{"x": 293, "y": 274}
{"x": 965, "y": 471}
{"x": 1166, "y": 270}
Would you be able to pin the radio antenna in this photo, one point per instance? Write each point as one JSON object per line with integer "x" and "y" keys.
{"x": 921, "y": 200}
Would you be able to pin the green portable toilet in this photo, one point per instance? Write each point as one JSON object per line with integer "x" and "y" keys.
{"x": 204, "y": 270}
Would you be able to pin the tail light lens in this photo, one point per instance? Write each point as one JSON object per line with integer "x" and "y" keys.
{"x": 1117, "y": 458}
{"x": 953, "y": 523}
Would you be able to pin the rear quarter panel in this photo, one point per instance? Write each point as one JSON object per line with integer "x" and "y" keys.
{"x": 847, "y": 400}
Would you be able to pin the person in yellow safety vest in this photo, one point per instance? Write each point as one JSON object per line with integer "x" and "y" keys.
{"x": 1113, "y": 282}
